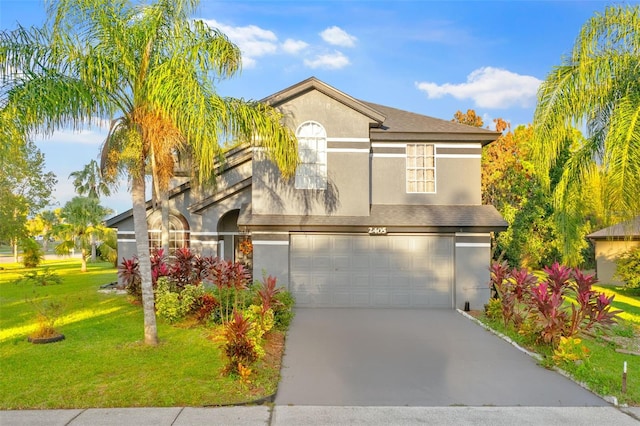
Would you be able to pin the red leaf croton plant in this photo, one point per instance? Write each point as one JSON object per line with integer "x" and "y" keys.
{"x": 561, "y": 304}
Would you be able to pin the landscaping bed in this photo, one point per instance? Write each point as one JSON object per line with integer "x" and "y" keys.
{"x": 103, "y": 362}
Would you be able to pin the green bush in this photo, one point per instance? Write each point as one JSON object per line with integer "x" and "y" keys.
{"x": 172, "y": 305}
{"x": 283, "y": 310}
{"x": 628, "y": 268}
{"x": 32, "y": 253}
{"x": 47, "y": 277}
{"x": 493, "y": 309}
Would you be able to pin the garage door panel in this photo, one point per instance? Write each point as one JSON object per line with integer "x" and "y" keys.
{"x": 361, "y": 299}
{"x": 381, "y": 299}
{"x": 360, "y": 261}
{"x": 360, "y": 281}
{"x": 379, "y": 271}
{"x": 341, "y": 262}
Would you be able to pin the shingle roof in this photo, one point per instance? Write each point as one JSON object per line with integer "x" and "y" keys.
{"x": 429, "y": 218}
{"x": 405, "y": 125}
{"x": 391, "y": 124}
{"x": 628, "y": 229}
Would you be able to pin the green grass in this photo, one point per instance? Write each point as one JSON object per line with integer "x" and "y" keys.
{"x": 602, "y": 372}
{"x": 103, "y": 362}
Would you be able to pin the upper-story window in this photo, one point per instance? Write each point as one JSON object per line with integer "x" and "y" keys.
{"x": 312, "y": 151}
{"x": 421, "y": 168}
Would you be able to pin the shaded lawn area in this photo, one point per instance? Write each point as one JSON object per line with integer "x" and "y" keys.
{"x": 102, "y": 362}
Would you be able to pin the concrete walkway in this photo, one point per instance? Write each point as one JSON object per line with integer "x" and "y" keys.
{"x": 315, "y": 415}
{"x": 404, "y": 357}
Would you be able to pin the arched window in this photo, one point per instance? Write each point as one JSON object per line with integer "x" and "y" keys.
{"x": 178, "y": 231}
{"x": 312, "y": 151}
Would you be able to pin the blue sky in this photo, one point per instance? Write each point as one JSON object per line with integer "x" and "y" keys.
{"x": 428, "y": 57}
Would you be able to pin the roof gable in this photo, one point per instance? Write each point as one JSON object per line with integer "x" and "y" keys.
{"x": 313, "y": 83}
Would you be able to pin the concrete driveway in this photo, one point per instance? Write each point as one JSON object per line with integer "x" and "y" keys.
{"x": 393, "y": 357}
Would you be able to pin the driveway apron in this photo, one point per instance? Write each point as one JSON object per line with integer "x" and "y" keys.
{"x": 398, "y": 357}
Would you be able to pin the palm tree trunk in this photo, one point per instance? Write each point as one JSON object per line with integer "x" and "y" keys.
{"x": 142, "y": 247}
{"x": 14, "y": 244}
{"x": 93, "y": 248}
{"x": 83, "y": 264}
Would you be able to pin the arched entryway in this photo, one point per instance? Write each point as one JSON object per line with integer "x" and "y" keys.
{"x": 233, "y": 245}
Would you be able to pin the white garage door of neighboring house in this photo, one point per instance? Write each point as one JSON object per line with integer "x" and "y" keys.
{"x": 410, "y": 271}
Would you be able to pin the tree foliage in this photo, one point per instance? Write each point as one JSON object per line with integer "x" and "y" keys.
{"x": 596, "y": 88}
{"x": 89, "y": 181}
{"x": 81, "y": 224}
{"x": 148, "y": 68}
{"x": 25, "y": 187}
{"x": 469, "y": 118}
{"x": 509, "y": 183}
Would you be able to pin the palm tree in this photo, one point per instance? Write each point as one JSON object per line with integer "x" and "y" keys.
{"x": 82, "y": 221}
{"x": 89, "y": 182}
{"x": 596, "y": 88}
{"x": 149, "y": 68}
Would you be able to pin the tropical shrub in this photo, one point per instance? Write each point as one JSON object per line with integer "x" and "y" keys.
{"x": 168, "y": 304}
{"x": 283, "y": 310}
{"x": 204, "y": 307}
{"x": 47, "y": 277}
{"x": 570, "y": 349}
{"x": 47, "y": 314}
{"x": 32, "y": 253}
{"x": 182, "y": 270}
{"x": 159, "y": 267}
{"x": 560, "y": 305}
{"x": 129, "y": 274}
{"x": 493, "y": 309}
{"x": 174, "y": 303}
{"x": 237, "y": 343}
{"x": 230, "y": 280}
{"x": 628, "y": 268}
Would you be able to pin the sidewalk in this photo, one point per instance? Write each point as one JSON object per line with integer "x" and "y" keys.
{"x": 325, "y": 415}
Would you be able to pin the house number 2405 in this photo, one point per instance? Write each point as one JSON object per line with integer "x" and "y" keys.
{"x": 381, "y": 230}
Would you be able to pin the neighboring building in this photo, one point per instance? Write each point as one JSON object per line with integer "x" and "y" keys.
{"x": 610, "y": 243}
{"x": 384, "y": 210}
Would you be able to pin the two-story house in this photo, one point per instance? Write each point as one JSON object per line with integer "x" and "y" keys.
{"x": 384, "y": 210}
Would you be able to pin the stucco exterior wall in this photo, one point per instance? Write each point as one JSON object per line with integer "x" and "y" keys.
{"x": 607, "y": 251}
{"x": 473, "y": 255}
{"x": 347, "y": 192}
{"x": 338, "y": 120}
{"x": 457, "y": 181}
{"x": 271, "y": 257}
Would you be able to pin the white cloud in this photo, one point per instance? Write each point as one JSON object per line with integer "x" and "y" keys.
{"x": 332, "y": 61}
{"x": 338, "y": 37}
{"x": 252, "y": 40}
{"x": 489, "y": 88}
{"x": 294, "y": 46}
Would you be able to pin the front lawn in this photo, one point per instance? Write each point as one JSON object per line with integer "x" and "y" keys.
{"x": 103, "y": 362}
{"x": 602, "y": 371}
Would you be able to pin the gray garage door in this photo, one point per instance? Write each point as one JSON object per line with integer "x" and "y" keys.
{"x": 372, "y": 271}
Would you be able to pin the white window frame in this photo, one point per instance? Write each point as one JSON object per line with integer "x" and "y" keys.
{"x": 420, "y": 168}
{"x": 311, "y": 172}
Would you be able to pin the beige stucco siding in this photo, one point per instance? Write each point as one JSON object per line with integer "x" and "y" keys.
{"x": 607, "y": 251}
